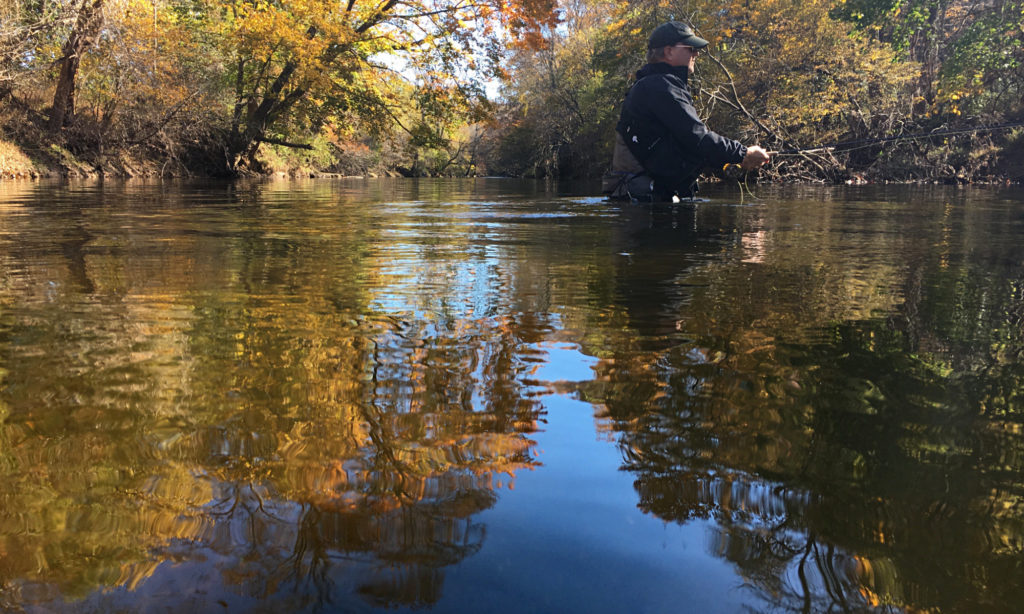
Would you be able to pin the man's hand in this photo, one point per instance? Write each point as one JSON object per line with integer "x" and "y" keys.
{"x": 756, "y": 158}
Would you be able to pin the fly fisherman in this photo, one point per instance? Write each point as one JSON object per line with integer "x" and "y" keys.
{"x": 661, "y": 144}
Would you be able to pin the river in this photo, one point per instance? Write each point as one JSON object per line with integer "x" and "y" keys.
{"x": 501, "y": 396}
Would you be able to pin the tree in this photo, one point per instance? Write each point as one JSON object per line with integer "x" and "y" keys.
{"x": 296, "y": 65}
{"x": 561, "y": 100}
{"x": 152, "y": 81}
{"x": 82, "y": 36}
{"x": 970, "y": 52}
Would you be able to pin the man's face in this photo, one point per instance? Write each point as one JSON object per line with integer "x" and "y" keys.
{"x": 681, "y": 55}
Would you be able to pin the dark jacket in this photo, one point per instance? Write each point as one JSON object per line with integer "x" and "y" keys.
{"x": 662, "y": 129}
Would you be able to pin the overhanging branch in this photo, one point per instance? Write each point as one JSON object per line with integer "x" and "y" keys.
{"x": 283, "y": 143}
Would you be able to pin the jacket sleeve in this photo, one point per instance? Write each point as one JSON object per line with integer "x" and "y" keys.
{"x": 673, "y": 107}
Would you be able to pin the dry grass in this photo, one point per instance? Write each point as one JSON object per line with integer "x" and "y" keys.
{"x": 14, "y": 164}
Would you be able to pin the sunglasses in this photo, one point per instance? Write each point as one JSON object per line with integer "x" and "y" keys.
{"x": 693, "y": 50}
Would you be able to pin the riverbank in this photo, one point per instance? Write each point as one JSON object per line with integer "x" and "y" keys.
{"x": 52, "y": 161}
{"x": 14, "y": 164}
{"x": 55, "y": 162}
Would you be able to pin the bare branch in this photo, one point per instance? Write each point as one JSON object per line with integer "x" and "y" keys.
{"x": 739, "y": 103}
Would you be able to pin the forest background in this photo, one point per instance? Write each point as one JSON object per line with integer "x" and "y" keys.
{"x": 500, "y": 87}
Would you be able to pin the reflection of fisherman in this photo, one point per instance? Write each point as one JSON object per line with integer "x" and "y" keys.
{"x": 661, "y": 144}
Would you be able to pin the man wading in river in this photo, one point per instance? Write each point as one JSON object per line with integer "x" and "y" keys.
{"x": 660, "y": 143}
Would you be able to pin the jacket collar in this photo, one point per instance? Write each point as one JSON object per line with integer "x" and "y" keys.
{"x": 661, "y": 68}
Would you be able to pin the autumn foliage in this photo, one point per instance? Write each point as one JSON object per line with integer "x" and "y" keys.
{"x": 788, "y": 75}
{"x": 208, "y": 79}
{"x": 250, "y": 86}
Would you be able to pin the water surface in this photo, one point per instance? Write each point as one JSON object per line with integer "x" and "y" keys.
{"x": 490, "y": 395}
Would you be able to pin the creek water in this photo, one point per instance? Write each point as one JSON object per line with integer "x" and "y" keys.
{"x": 501, "y": 396}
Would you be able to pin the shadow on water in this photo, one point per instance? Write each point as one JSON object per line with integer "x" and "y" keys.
{"x": 307, "y": 395}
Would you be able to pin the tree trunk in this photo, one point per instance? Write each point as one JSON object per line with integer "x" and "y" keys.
{"x": 243, "y": 141}
{"x": 90, "y": 17}
{"x": 244, "y": 144}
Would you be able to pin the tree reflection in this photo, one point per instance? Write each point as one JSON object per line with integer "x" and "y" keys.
{"x": 288, "y": 406}
{"x": 846, "y": 461}
{"x": 251, "y": 407}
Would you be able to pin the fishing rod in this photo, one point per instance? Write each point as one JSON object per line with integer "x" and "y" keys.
{"x": 855, "y": 144}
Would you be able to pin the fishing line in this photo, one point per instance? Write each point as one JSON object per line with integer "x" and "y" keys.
{"x": 736, "y": 173}
{"x": 733, "y": 170}
{"x": 860, "y": 143}
{"x": 746, "y": 186}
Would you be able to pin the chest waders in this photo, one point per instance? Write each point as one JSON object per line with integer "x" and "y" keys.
{"x": 672, "y": 172}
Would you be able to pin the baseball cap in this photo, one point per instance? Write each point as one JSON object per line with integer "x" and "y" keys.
{"x": 674, "y": 33}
